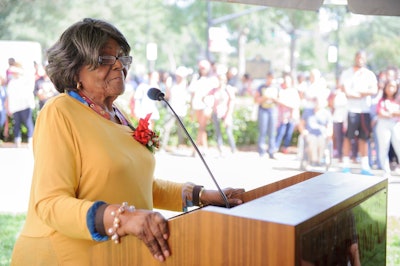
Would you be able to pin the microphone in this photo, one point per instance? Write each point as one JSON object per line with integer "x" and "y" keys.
{"x": 156, "y": 95}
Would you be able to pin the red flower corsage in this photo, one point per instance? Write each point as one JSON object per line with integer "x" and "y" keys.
{"x": 146, "y": 136}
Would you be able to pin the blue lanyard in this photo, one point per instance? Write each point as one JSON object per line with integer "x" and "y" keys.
{"x": 75, "y": 95}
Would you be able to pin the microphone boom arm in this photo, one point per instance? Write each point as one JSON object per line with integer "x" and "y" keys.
{"x": 198, "y": 152}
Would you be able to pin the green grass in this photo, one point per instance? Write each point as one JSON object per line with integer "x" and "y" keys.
{"x": 393, "y": 241}
{"x": 9, "y": 229}
{"x": 12, "y": 224}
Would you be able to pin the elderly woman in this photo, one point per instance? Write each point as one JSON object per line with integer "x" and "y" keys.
{"x": 90, "y": 162}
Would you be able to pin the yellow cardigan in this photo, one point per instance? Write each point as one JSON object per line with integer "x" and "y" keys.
{"x": 79, "y": 158}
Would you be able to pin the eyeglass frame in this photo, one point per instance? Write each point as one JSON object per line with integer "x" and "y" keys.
{"x": 115, "y": 58}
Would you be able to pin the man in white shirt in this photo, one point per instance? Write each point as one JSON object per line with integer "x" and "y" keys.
{"x": 359, "y": 84}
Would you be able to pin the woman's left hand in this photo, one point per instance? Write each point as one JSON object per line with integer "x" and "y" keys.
{"x": 213, "y": 197}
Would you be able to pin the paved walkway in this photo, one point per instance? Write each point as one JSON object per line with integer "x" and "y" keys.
{"x": 242, "y": 169}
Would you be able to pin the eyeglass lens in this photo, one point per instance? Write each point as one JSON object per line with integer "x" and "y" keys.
{"x": 110, "y": 60}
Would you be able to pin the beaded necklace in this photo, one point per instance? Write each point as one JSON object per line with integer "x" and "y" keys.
{"x": 98, "y": 109}
{"x": 87, "y": 101}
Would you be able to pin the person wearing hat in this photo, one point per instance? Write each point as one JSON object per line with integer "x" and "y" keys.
{"x": 200, "y": 85}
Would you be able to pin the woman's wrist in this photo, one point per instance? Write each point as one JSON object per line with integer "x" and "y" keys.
{"x": 99, "y": 221}
{"x": 192, "y": 195}
{"x": 201, "y": 200}
{"x": 113, "y": 219}
{"x": 94, "y": 220}
{"x": 197, "y": 191}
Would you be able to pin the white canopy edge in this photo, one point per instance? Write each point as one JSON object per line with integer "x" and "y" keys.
{"x": 364, "y": 7}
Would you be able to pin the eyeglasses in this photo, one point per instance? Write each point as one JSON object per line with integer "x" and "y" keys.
{"x": 110, "y": 60}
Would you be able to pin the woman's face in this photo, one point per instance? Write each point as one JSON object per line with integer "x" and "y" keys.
{"x": 391, "y": 88}
{"x": 106, "y": 80}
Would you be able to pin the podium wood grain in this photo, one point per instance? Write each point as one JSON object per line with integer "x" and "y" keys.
{"x": 265, "y": 230}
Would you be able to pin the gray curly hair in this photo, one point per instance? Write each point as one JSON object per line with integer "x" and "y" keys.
{"x": 78, "y": 46}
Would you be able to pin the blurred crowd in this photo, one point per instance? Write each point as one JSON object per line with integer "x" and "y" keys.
{"x": 22, "y": 93}
{"x": 358, "y": 117}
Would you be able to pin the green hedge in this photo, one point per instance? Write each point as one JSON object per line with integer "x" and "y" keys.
{"x": 245, "y": 129}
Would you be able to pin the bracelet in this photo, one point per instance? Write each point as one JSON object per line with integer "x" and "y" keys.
{"x": 197, "y": 190}
{"x": 200, "y": 193}
{"x": 117, "y": 221}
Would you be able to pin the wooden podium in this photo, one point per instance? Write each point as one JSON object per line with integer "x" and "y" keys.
{"x": 314, "y": 218}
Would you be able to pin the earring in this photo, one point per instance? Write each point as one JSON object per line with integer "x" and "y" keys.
{"x": 79, "y": 85}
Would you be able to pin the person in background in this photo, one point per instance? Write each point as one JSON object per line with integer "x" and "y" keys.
{"x": 165, "y": 81}
{"x": 223, "y": 97}
{"x": 309, "y": 89}
{"x": 246, "y": 85}
{"x": 134, "y": 82}
{"x": 388, "y": 124}
{"x": 20, "y": 103}
{"x": 317, "y": 88}
{"x": 338, "y": 105}
{"x": 200, "y": 86}
{"x": 178, "y": 97}
{"x": 302, "y": 81}
{"x": 266, "y": 97}
{"x": 316, "y": 129}
{"x": 373, "y": 149}
{"x": 3, "y": 110}
{"x": 233, "y": 77}
{"x": 44, "y": 90}
{"x": 93, "y": 177}
{"x": 38, "y": 70}
{"x": 143, "y": 104}
{"x": 288, "y": 113}
{"x": 359, "y": 84}
{"x": 11, "y": 63}
{"x": 393, "y": 73}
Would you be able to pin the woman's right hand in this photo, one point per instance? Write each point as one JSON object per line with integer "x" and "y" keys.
{"x": 150, "y": 227}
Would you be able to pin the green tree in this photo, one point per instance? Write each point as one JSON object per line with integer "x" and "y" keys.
{"x": 179, "y": 29}
{"x": 379, "y": 37}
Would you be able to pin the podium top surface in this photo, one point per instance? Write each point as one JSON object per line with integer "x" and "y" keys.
{"x": 300, "y": 202}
